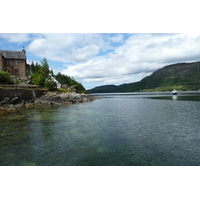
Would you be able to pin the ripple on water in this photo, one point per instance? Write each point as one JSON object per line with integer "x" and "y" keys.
{"x": 116, "y": 131}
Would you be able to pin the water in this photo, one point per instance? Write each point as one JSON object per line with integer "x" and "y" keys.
{"x": 126, "y": 129}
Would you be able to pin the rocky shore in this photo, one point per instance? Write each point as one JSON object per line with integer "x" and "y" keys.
{"x": 50, "y": 98}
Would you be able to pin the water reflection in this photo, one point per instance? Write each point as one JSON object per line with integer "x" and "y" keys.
{"x": 174, "y": 97}
{"x": 183, "y": 95}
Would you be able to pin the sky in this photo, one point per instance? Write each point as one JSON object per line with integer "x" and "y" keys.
{"x": 105, "y": 58}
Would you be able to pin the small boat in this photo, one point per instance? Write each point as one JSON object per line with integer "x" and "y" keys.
{"x": 174, "y": 92}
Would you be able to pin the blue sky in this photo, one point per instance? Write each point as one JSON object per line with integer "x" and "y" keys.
{"x": 99, "y": 59}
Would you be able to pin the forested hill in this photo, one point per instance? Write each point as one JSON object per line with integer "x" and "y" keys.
{"x": 180, "y": 76}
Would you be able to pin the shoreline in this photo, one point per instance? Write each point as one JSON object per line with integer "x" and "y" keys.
{"x": 9, "y": 105}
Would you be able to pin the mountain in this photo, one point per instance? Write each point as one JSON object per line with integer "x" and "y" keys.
{"x": 180, "y": 76}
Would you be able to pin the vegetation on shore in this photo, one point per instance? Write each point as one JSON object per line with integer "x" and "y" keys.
{"x": 180, "y": 76}
{"x": 5, "y": 78}
{"x": 41, "y": 75}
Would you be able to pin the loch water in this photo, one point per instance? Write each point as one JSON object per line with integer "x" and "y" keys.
{"x": 122, "y": 129}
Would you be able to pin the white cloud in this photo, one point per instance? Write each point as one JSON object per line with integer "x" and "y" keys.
{"x": 82, "y": 54}
{"x": 139, "y": 56}
{"x": 111, "y": 58}
{"x": 68, "y": 47}
{"x": 117, "y": 38}
{"x": 15, "y": 37}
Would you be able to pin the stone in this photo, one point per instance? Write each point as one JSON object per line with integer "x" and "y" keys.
{"x": 14, "y": 100}
{"x": 29, "y": 105}
{"x": 5, "y": 101}
{"x": 78, "y": 98}
{"x": 55, "y": 103}
{"x": 55, "y": 98}
{"x": 64, "y": 99}
{"x": 72, "y": 89}
{"x": 65, "y": 86}
{"x": 41, "y": 101}
{"x": 84, "y": 99}
{"x": 72, "y": 96}
{"x": 11, "y": 108}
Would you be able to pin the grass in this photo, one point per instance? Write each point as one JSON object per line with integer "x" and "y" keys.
{"x": 62, "y": 90}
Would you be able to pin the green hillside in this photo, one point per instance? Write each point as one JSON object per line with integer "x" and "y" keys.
{"x": 180, "y": 76}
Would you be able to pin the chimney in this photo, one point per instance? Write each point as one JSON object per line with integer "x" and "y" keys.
{"x": 23, "y": 49}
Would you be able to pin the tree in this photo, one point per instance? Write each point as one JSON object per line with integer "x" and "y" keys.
{"x": 40, "y": 72}
{"x": 45, "y": 68}
{"x": 44, "y": 77}
{"x": 64, "y": 79}
{"x": 37, "y": 79}
{"x": 50, "y": 84}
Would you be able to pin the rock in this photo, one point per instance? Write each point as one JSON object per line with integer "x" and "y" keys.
{"x": 64, "y": 95}
{"x": 56, "y": 98}
{"x": 84, "y": 99}
{"x": 64, "y": 99}
{"x": 72, "y": 96}
{"x": 17, "y": 106}
{"x": 65, "y": 86}
{"x": 29, "y": 105}
{"x": 72, "y": 89}
{"x": 11, "y": 108}
{"x": 55, "y": 103}
{"x": 41, "y": 101}
{"x": 78, "y": 98}
{"x": 14, "y": 100}
{"x": 5, "y": 101}
{"x": 22, "y": 104}
{"x": 3, "y": 108}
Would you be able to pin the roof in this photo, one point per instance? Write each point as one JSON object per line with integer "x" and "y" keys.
{"x": 13, "y": 54}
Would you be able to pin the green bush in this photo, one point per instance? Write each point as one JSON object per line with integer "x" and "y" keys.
{"x": 37, "y": 79}
{"x": 50, "y": 85}
{"x": 17, "y": 82}
{"x": 5, "y": 78}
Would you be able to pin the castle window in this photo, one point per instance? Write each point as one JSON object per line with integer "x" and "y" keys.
{"x": 16, "y": 62}
{"x": 16, "y": 71}
{"x": 7, "y": 62}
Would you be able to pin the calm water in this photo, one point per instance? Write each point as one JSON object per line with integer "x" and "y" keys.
{"x": 119, "y": 129}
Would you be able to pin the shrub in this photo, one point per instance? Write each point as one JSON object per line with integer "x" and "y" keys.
{"x": 37, "y": 79}
{"x": 5, "y": 78}
{"x": 50, "y": 85}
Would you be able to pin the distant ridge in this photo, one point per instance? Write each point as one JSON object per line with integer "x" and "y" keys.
{"x": 180, "y": 76}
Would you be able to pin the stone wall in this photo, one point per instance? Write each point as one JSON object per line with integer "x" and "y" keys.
{"x": 16, "y": 68}
{"x": 24, "y": 94}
